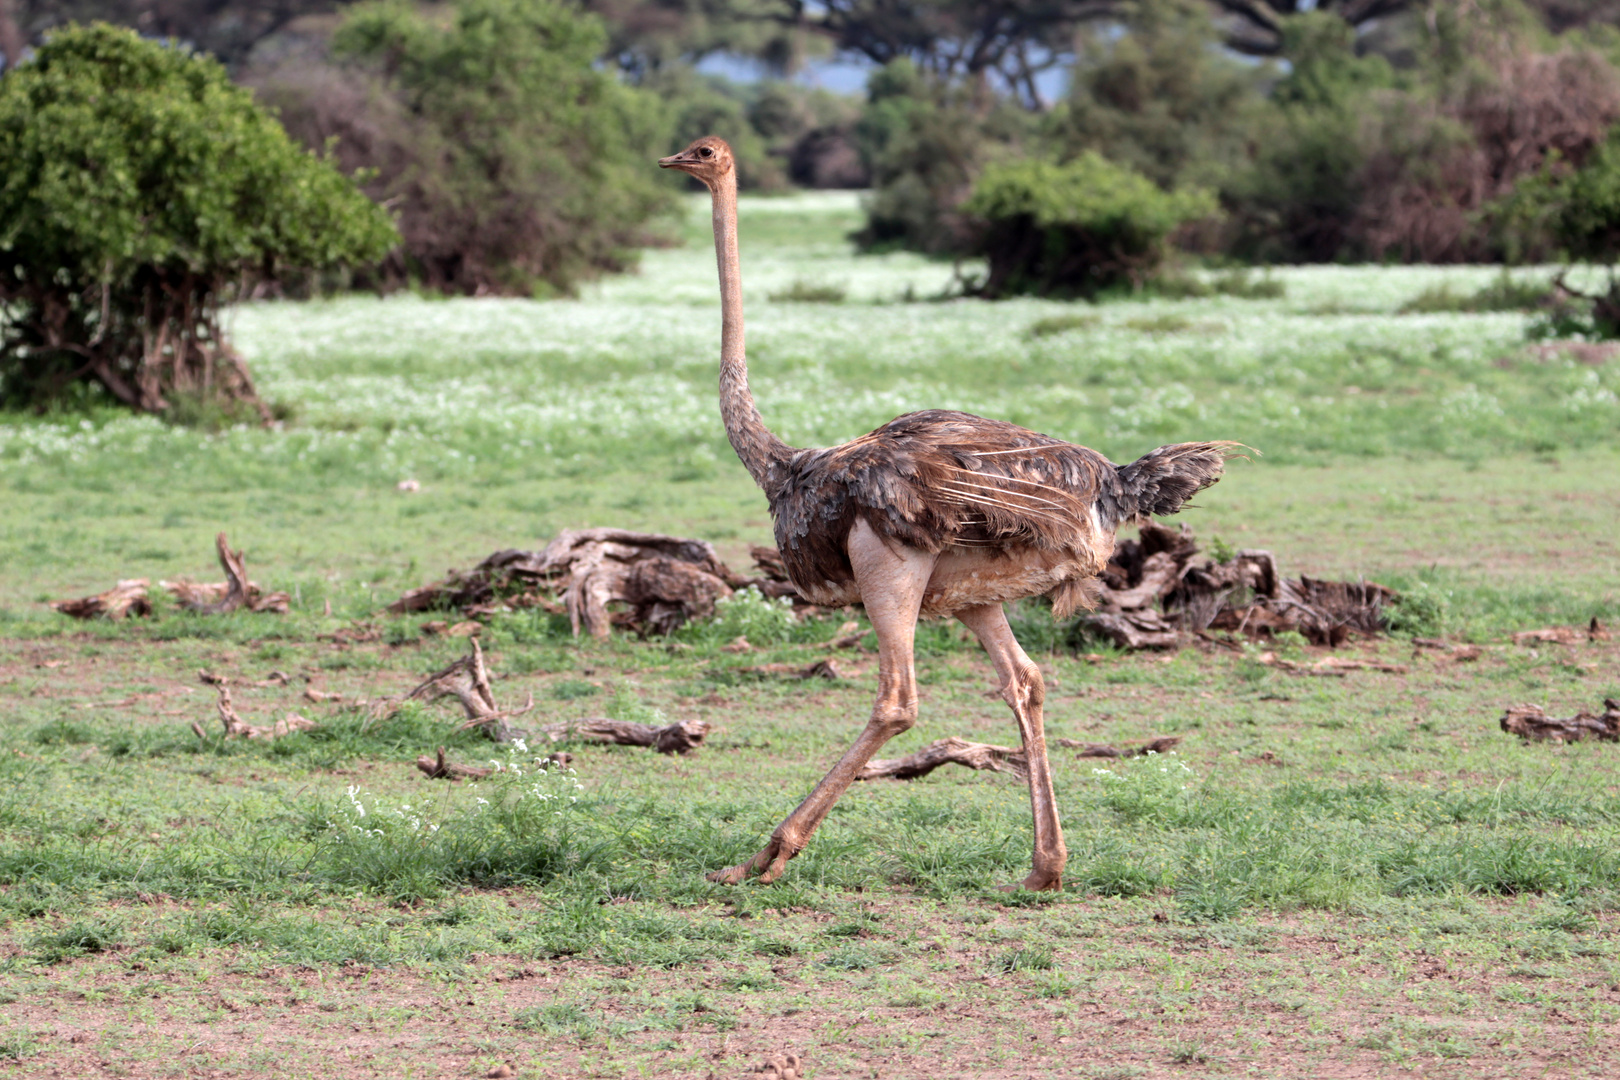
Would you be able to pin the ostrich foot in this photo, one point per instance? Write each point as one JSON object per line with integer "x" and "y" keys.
{"x": 768, "y": 864}
{"x": 1038, "y": 881}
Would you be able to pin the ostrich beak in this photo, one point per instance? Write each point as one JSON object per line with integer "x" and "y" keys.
{"x": 674, "y": 161}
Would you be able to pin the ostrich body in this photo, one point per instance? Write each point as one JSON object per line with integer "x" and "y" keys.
{"x": 935, "y": 513}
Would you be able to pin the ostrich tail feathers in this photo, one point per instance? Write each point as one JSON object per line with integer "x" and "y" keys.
{"x": 1161, "y": 481}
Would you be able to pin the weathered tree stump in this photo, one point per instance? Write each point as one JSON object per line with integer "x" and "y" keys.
{"x": 127, "y": 598}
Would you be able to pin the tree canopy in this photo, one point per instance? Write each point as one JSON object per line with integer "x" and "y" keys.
{"x": 137, "y": 187}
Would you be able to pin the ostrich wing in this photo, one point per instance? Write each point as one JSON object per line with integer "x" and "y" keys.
{"x": 933, "y": 479}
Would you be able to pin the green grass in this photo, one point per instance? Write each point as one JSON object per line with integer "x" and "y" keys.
{"x": 1356, "y": 873}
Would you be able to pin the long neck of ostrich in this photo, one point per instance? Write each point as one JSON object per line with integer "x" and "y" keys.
{"x": 763, "y": 454}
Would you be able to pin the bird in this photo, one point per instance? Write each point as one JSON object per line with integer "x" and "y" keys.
{"x": 935, "y": 514}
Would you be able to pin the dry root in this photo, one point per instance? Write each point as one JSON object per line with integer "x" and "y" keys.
{"x": 1563, "y": 635}
{"x": 951, "y": 751}
{"x": 236, "y": 591}
{"x": 127, "y": 598}
{"x": 466, "y": 680}
{"x": 1161, "y": 745}
{"x": 1155, "y": 589}
{"x": 1530, "y": 723}
{"x": 678, "y": 738}
{"x": 658, "y": 582}
{"x": 237, "y": 728}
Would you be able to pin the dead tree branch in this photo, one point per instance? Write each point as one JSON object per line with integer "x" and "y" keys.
{"x": 124, "y": 599}
{"x": 951, "y": 751}
{"x": 237, "y": 728}
{"x": 1531, "y": 723}
{"x": 678, "y": 738}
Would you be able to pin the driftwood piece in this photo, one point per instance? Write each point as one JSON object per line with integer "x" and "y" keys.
{"x": 236, "y": 591}
{"x": 951, "y": 751}
{"x": 127, "y": 598}
{"x": 821, "y": 669}
{"x": 237, "y": 728}
{"x": 678, "y": 738}
{"x": 1161, "y": 745}
{"x": 1330, "y": 665}
{"x": 663, "y": 581}
{"x": 442, "y": 768}
{"x": 1142, "y": 629}
{"x": 1531, "y": 723}
{"x": 467, "y": 680}
{"x": 1157, "y": 587}
{"x": 1563, "y": 635}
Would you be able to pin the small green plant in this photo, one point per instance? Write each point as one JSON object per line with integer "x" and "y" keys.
{"x": 17, "y": 1045}
{"x": 573, "y": 689}
{"x": 1060, "y": 324}
{"x": 1026, "y": 958}
{"x": 1151, "y": 788}
{"x": 809, "y": 292}
{"x": 749, "y": 613}
{"x": 558, "y": 1018}
{"x": 76, "y": 939}
{"x": 1506, "y": 293}
{"x": 1418, "y": 611}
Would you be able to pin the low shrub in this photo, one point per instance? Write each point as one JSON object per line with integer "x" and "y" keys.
{"x": 1075, "y": 229}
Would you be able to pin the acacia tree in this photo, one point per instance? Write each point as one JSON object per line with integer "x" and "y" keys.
{"x": 139, "y": 190}
{"x": 228, "y": 29}
{"x": 1256, "y": 27}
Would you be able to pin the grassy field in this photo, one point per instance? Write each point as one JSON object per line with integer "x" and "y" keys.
{"x": 1356, "y": 876}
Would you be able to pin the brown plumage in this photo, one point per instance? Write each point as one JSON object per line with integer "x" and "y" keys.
{"x": 936, "y": 479}
{"x": 934, "y": 513}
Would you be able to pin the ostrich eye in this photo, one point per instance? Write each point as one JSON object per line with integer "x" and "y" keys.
{"x": 706, "y": 152}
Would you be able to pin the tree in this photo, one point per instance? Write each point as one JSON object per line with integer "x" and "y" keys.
{"x": 1162, "y": 97}
{"x": 1010, "y": 40}
{"x": 515, "y": 163}
{"x": 139, "y": 190}
{"x": 228, "y": 29}
{"x": 1256, "y": 27}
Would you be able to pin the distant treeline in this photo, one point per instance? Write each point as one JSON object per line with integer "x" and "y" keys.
{"x": 512, "y": 138}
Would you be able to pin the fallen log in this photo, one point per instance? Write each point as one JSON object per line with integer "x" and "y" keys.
{"x": 951, "y": 751}
{"x": 237, "y": 728}
{"x": 1142, "y": 629}
{"x": 1563, "y": 635}
{"x": 1330, "y": 665}
{"x": 681, "y": 737}
{"x": 442, "y": 768}
{"x": 1161, "y": 745}
{"x": 665, "y": 581}
{"x": 127, "y": 598}
{"x": 821, "y": 669}
{"x": 235, "y": 592}
{"x": 1532, "y": 724}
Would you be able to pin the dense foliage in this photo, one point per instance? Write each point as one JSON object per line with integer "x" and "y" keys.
{"x": 138, "y": 189}
{"x": 515, "y": 164}
{"x": 1075, "y": 229}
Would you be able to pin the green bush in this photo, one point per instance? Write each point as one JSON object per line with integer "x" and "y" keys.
{"x": 138, "y": 190}
{"x": 1582, "y": 210}
{"x": 1076, "y": 229}
{"x": 924, "y": 142}
{"x": 517, "y": 165}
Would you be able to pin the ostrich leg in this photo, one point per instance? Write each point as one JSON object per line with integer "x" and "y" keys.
{"x": 1025, "y": 690}
{"x": 892, "y": 582}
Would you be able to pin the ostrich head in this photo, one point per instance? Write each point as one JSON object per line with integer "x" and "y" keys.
{"x": 708, "y": 159}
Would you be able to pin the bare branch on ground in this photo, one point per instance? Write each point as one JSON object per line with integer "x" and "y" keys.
{"x": 1531, "y": 723}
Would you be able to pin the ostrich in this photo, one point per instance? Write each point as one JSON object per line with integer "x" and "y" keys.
{"x": 935, "y": 513}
